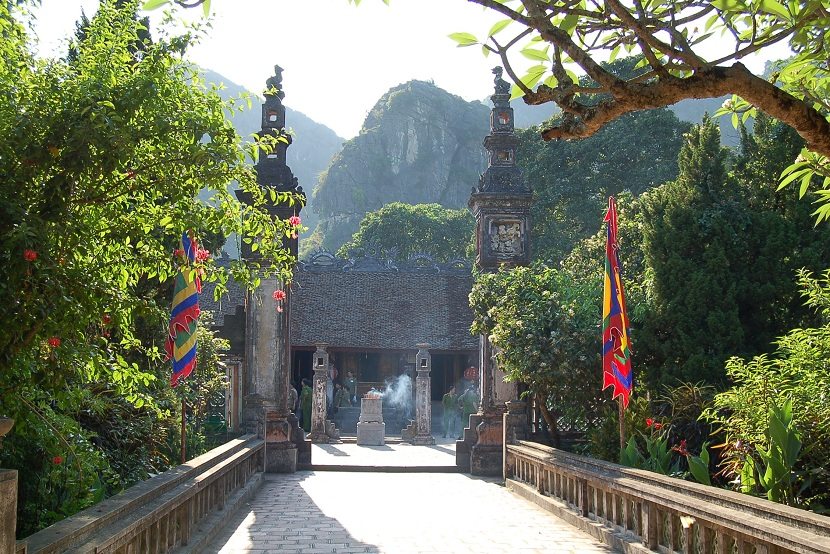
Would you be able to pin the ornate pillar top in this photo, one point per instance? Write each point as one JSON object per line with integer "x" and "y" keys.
{"x": 502, "y": 175}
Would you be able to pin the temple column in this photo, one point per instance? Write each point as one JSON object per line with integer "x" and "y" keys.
{"x": 423, "y": 396}
{"x": 501, "y": 206}
{"x": 318, "y": 400}
{"x": 267, "y": 364}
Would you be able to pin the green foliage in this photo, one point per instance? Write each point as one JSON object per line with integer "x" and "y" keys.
{"x": 699, "y": 466}
{"x": 104, "y": 156}
{"x": 573, "y": 179}
{"x": 776, "y": 475}
{"x": 543, "y": 323}
{"x": 658, "y": 456}
{"x": 406, "y": 229}
{"x": 796, "y": 374}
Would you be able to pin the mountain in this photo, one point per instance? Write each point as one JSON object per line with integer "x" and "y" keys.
{"x": 419, "y": 144}
{"x": 310, "y": 152}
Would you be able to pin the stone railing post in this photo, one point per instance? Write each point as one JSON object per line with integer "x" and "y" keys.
{"x": 515, "y": 429}
{"x": 8, "y": 499}
{"x": 318, "y": 399}
{"x": 423, "y": 396}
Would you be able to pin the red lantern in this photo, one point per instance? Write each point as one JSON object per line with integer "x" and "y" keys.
{"x": 471, "y": 373}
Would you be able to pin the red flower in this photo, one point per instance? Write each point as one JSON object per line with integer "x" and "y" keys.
{"x": 178, "y": 252}
{"x": 29, "y": 255}
{"x": 279, "y": 294}
{"x": 202, "y": 255}
{"x": 106, "y": 319}
{"x": 130, "y": 174}
{"x": 54, "y": 342}
{"x": 681, "y": 448}
{"x": 649, "y": 422}
{"x": 658, "y": 426}
{"x": 57, "y": 460}
{"x": 294, "y": 220}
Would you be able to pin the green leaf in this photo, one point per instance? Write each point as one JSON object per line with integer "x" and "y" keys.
{"x": 463, "y": 39}
{"x": 206, "y": 8}
{"x": 154, "y": 4}
{"x": 534, "y": 54}
{"x": 774, "y": 8}
{"x": 727, "y": 5}
{"x": 794, "y": 173}
{"x": 569, "y": 23}
{"x": 499, "y": 26}
{"x": 699, "y": 470}
{"x": 805, "y": 184}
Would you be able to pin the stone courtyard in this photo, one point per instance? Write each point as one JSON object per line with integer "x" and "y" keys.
{"x": 321, "y": 511}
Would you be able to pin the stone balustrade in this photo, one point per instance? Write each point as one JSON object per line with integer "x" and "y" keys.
{"x": 640, "y": 511}
{"x": 163, "y": 512}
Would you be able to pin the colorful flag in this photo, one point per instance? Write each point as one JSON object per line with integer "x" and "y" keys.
{"x": 181, "y": 333}
{"x": 616, "y": 344}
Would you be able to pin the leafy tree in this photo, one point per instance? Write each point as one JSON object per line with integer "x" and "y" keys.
{"x": 572, "y": 180}
{"x": 103, "y": 156}
{"x": 543, "y": 323}
{"x": 693, "y": 231}
{"x": 722, "y": 249}
{"x": 408, "y": 229}
{"x": 796, "y": 372}
{"x": 102, "y": 160}
{"x": 672, "y": 37}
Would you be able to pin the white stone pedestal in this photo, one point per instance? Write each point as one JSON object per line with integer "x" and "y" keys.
{"x": 371, "y": 430}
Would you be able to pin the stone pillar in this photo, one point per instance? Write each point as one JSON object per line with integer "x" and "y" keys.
{"x": 268, "y": 378}
{"x": 267, "y": 341}
{"x": 8, "y": 499}
{"x": 501, "y": 205}
{"x": 423, "y": 396}
{"x": 318, "y": 400}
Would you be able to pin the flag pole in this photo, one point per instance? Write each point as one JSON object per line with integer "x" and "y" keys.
{"x": 184, "y": 443}
{"x": 622, "y": 422}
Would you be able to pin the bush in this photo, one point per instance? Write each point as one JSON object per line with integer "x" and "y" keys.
{"x": 796, "y": 372}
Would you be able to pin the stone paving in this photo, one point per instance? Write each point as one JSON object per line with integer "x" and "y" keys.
{"x": 315, "y": 511}
{"x": 442, "y": 453}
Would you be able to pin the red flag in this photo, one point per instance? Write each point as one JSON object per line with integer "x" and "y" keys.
{"x": 616, "y": 344}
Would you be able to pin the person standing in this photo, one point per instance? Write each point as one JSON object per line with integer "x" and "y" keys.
{"x": 450, "y": 403}
{"x": 293, "y": 399}
{"x": 332, "y": 377}
{"x": 305, "y": 405}
{"x": 351, "y": 387}
{"x": 469, "y": 405}
{"x": 341, "y": 397}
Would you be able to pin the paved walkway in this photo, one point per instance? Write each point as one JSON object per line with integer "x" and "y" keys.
{"x": 316, "y": 511}
{"x": 442, "y": 453}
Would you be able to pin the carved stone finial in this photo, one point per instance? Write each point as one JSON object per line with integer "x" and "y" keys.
{"x": 502, "y": 86}
{"x": 275, "y": 82}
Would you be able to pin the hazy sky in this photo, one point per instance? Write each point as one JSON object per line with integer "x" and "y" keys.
{"x": 338, "y": 59}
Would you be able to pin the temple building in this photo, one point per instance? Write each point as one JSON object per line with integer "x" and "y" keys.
{"x": 370, "y": 312}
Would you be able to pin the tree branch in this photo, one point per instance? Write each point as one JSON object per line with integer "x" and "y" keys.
{"x": 710, "y": 83}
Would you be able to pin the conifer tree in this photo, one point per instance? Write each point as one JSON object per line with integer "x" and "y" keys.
{"x": 694, "y": 229}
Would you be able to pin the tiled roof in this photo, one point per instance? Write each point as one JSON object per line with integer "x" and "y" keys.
{"x": 382, "y": 310}
{"x": 367, "y": 304}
